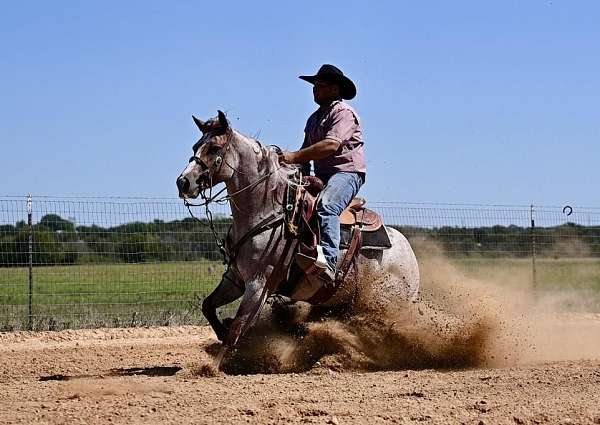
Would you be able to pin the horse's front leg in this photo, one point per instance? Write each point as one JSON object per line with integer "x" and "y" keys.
{"x": 255, "y": 296}
{"x": 228, "y": 290}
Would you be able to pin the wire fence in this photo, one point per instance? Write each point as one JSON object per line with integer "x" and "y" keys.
{"x": 89, "y": 262}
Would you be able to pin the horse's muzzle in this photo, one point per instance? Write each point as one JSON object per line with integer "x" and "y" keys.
{"x": 183, "y": 185}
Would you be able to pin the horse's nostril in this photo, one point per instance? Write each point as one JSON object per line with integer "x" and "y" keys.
{"x": 183, "y": 184}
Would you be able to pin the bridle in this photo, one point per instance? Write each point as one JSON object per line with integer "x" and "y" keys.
{"x": 219, "y": 161}
{"x": 201, "y": 163}
{"x": 276, "y": 218}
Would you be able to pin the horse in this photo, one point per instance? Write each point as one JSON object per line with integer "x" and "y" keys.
{"x": 259, "y": 249}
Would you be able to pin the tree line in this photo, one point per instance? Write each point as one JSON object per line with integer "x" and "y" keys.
{"x": 58, "y": 241}
{"x": 567, "y": 240}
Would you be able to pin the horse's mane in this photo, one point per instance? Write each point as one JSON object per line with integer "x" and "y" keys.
{"x": 270, "y": 153}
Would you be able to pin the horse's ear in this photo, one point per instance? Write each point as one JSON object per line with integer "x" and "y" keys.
{"x": 223, "y": 120}
{"x": 201, "y": 124}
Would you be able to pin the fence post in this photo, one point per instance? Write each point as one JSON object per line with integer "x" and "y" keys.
{"x": 533, "y": 248}
{"x": 30, "y": 250}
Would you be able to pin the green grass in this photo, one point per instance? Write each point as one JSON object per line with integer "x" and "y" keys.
{"x": 571, "y": 284}
{"x": 551, "y": 274}
{"x": 170, "y": 293}
{"x": 107, "y": 294}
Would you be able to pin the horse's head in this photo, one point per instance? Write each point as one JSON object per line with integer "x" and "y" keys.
{"x": 205, "y": 168}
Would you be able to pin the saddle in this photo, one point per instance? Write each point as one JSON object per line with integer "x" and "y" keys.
{"x": 360, "y": 227}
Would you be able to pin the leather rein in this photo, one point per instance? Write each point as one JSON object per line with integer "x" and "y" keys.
{"x": 275, "y": 219}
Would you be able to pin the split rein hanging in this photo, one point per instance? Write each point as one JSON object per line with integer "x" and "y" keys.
{"x": 207, "y": 201}
{"x": 214, "y": 199}
{"x": 222, "y": 200}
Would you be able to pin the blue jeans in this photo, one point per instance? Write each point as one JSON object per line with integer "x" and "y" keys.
{"x": 341, "y": 188}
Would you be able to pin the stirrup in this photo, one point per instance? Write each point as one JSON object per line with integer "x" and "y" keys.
{"x": 310, "y": 264}
{"x": 328, "y": 277}
{"x": 321, "y": 261}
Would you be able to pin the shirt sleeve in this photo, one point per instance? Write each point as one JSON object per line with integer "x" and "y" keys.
{"x": 342, "y": 125}
{"x": 310, "y": 122}
{"x": 305, "y": 142}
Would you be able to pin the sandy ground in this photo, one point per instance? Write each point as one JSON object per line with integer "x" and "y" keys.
{"x": 158, "y": 375}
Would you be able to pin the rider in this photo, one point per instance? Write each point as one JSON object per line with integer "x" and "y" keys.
{"x": 333, "y": 141}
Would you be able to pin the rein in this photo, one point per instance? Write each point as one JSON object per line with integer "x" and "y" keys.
{"x": 229, "y": 254}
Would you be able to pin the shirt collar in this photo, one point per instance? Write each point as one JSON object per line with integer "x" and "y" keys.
{"x": 324, "y": 109}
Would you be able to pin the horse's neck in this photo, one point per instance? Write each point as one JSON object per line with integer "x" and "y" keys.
{"x": 253, "y": 205}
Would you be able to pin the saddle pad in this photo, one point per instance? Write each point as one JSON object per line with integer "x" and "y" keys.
{"x": 377, "y": 239}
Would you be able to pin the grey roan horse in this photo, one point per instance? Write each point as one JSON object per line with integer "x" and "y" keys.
{"x": 257, "y": 243}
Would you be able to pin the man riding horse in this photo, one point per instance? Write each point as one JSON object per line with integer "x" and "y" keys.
{"x": 333, "y": 141}
{"x": 269, "y": 248}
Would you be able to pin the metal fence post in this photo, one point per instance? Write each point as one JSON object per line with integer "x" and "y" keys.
{"x": 533, "y": 248}
{"x": 30, "y": 251}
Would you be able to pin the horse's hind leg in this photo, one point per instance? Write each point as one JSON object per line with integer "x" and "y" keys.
{"x": 228, "y": 290}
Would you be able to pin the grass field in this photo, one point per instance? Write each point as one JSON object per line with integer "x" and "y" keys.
{"x": 170, "y": 293}
{"x": 551, "y": 274}
{"x": 107, "y": 294}
{"x": 561, "y": 284}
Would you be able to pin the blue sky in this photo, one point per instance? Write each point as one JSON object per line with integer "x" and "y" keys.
{"x": 463, "y": 101}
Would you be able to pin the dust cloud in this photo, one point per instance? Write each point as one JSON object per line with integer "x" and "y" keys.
{"x": 458, "y": 322}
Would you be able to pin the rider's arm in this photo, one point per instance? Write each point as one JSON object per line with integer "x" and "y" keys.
{"x": 319, "y": 150}
{"x": 341, "y": 125}
{"x": 305, "y": 166}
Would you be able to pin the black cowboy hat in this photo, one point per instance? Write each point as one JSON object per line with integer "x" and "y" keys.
{"x": 332, "y": 74}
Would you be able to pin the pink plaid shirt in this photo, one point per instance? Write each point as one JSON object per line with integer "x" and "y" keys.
{"x": 339, "y": 122}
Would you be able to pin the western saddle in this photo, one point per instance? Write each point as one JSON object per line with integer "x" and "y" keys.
{"x": 301, "y": 222}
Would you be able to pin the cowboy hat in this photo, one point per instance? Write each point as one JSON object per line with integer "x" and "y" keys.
{"x": 332, "y": 74}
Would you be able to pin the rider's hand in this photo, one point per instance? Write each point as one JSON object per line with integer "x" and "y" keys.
{"x": 286, "y": 157}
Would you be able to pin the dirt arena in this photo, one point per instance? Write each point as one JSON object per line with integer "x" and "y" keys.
{"x": 467, "y": 352}
{"x": 158, "y": 375}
